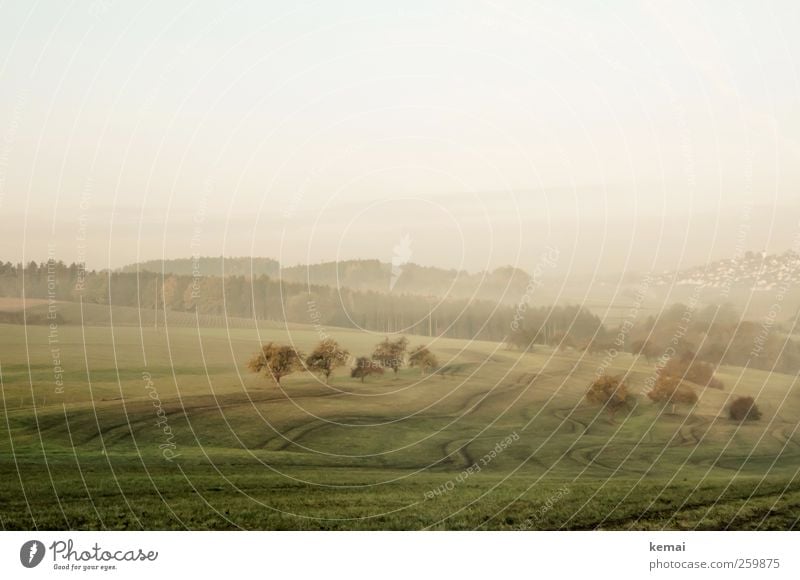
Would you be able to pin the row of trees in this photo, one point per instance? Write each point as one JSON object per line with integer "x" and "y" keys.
{"x": 262, "y": 298}
{"x": 713, "y": 335}
{"x": 710, "y": 336}
{"x": 611, "y": 393}
{"x": 276, "y": 361}
{"x": 716, "y": 335}
{"x": 562, "y": 326}
{"x": 675, "y": 378}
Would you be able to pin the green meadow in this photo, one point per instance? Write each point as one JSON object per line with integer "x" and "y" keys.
{"x": 109, "y": 422}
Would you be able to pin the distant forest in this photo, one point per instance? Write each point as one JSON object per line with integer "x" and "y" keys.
{"x": 266, "y": 298}
{"x": 504, "y": 285}
{"x": 209, "y": 266}
{"x": 714, "y": 334}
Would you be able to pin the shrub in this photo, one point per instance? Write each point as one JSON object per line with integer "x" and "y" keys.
{"x": 744, "y": 409}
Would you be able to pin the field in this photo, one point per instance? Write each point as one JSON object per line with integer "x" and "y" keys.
{"x": 113, "y": 424}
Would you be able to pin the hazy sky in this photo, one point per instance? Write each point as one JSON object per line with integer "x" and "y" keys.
{"x": 627, "y": 134}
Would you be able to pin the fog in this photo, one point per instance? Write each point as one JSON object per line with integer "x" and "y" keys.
{"x": 634, "y": 136}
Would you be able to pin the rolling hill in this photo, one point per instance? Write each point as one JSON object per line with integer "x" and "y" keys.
{"x": 498, "y": 439}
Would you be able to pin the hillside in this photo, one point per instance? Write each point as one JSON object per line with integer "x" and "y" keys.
{"x": 753, "y": 271}
{"x": 389, "y": 453}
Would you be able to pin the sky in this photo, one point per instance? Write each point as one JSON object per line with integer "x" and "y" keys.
{"x": 629, "y": 135}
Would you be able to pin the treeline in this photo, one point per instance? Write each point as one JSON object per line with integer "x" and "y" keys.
{"x": 500, "y": 285}
{"x": 713, "y": 334}
{"x": 261, "y": 298}
{"x": 209, "y": 266}
{"x": 564, "y": 327}
{"x": 503, "y": 285}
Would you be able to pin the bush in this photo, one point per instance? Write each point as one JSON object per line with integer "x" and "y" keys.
{"x": 744, "y": 409}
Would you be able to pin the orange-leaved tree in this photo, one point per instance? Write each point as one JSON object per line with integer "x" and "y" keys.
{"x": 611, "y": 393}
{"x": 275, "y": 361}
{"x": 673, "y": 391}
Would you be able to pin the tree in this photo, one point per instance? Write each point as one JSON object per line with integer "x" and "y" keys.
{"x": 520, "y": 339}
{"x": 689, "y": 368}
{"x": 326, "y": 357}
{"x": 673, "y": 391}
{"x": 391, "y": 354}
{"x": 423, "y": 358}
{"x": 596, "y": 345}
{"x": 275, "y": 361}
{"x": 644, "y": 347}
{"x": 364, "y": 367}
{"x": 744, "y": 409}
{"x": 609, "y": 392}
{"x": 564, "y": 341}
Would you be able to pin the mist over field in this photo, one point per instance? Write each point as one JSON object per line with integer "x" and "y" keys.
{"x": 365, "y": 265}
{"x": 631, "y": 137}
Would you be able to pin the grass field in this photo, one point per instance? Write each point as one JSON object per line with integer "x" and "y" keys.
{"x": 499, "y": 440}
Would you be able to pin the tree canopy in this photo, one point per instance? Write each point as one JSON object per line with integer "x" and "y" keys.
{"x": 673, "y": 391}
{"x": 744, "y": 409}
{"x": 609, "y": 392}
{"x": 421, "y": 357}
{"x": 275, "y": 361}
{"x": 391, "y": 354}
{"x": 364, "y": 367}
{"x": 326, "y": 357}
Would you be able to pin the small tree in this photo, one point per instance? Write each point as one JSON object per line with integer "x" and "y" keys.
{"x": 609, "y": 392}
{"x": 564, "y": 341}
{"x": 391, "y": 353}
{"x": 326, "y": 357}
{"x": 689, "y": 368}
{"x": 744, "y": 409}
{"x": 672, "y": 391}
{"x": 644, "y": 347}
{"x": 275, "y": 361}
{"x": 423, "y": 358}
{"x": 364, "y": 367}
{"x": 521, "y": 339}
{"x": 598, "y": 345}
